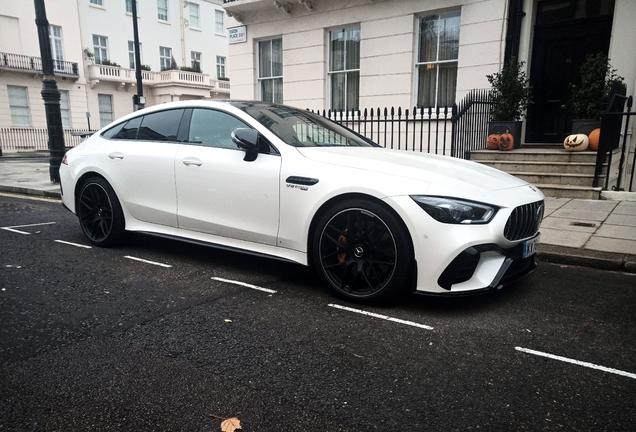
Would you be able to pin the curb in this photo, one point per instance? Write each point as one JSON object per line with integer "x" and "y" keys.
{"x": 587, "y": 258}
{"x": 28, "y": 191}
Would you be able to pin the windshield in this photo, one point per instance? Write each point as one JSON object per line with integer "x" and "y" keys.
{"x": 302, "y": 128}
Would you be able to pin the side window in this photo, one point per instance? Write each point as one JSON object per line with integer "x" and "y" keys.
{"x": 110, "y": 133}
{"x": 160, "y": 126}
{"x": 213, "y": 128}
{"x": 129, "y": 131}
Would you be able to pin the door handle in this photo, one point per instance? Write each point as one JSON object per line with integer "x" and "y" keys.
{"x": 192, "y": 161}
{"x": 116, "y": 155}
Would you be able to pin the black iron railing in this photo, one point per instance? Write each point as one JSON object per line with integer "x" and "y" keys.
{"x": 452, "y": 131}
{"x": 615, "y": 135}
{"x": 34, "y": 64}
{"x": 470, "y": 123}
{"x": 32, "y": 139}
{"x": 422, "y": 129}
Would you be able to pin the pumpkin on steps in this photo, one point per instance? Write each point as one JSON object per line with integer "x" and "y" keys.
{"x": 493, "y": 142}
{"x": 576, "y": 142}
{"x": 506, "y": 142}
{"x": 593, "y": 139}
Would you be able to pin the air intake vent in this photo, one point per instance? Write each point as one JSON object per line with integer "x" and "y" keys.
{"x": 524, "y": 222}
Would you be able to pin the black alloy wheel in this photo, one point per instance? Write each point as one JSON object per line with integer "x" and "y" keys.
{"x": 100, "y": 214}
{"x": 363, "y": 252}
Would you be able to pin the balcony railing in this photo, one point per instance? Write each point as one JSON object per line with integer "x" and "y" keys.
{"x": 34, "y": 64}
{"x": 98, "y": 72}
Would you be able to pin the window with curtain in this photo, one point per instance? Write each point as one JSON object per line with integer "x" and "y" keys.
{"x": 270, "y": 70}
{"x": 194, "y": 15}
{"x": 57, "y": 52}
{"x": 162, "y": 10}
{"x": 105, "y": 102}
{"x": 195, "y": 60}
{"x": 218, "y": 21}
{"x": 65, "y": 109}
{"x": 165, "y": 58}
{"x": 220, "y": 67}
{"x": 100, "y": 48}
{"x": 344, "y": 68}
{"x": 131, "y": 53}
{"x": 437, "y": 56}
{"x": 19, "y": 106}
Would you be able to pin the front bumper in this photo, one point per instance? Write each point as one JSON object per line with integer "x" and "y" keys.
{"x": 466, "y": 265}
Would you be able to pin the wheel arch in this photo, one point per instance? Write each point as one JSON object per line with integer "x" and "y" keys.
{"x": 80, "y": 183}
{"x": 343, "y": 198}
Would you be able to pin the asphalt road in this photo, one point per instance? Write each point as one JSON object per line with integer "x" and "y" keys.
{"x": 91, "y": 339}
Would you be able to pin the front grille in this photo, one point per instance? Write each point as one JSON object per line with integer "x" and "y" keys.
{"x": 524, "y": 221}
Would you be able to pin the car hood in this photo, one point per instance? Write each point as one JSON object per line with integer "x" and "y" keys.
{"x": 451, "y": 172}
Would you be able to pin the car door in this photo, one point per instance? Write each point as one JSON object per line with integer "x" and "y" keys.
{"x": 217, "y": 191}
{"x": 140, "y": 165}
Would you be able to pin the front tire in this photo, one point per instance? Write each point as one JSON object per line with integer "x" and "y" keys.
{"x": 100, "y": 214}
{"x": 363, "y": 252}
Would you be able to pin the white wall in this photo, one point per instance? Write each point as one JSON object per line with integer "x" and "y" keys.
{"x": 387, "y": 48}
{"x": 114, "y": 22}
{"x": 21, "y": 37}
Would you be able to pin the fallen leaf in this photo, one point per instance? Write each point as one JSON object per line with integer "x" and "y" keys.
{"x": 106, "y": 292}
{"x": 231, "y": 424}
{"x": 528, "y": 330}
{"x": 228, "y": 320}
{"x": 38, "y": 232}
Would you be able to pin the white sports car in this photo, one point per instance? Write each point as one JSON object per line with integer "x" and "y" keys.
{"x": 281, "y": 182}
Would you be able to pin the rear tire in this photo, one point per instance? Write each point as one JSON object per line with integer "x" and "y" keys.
{"x": 100, "y": 214}
{"x": 363, "y": 252}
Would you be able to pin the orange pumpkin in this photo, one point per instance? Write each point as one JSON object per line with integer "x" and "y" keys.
{"x": 594, "y": 139}
{"x": 493, "y": 142}
{"x": 506, "y": 142}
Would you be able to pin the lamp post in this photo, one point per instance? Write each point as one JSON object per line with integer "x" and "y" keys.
{"x": 50, "y": 94}
{"x": 139, "y": 101}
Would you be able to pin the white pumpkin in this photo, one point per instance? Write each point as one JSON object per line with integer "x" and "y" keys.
{"x": 576, "y": 142}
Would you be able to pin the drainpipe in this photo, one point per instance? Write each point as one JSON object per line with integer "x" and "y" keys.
{"x": 183, "y": 5}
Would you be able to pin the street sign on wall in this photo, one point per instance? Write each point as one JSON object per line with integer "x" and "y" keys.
{"x": 237, "y": 34}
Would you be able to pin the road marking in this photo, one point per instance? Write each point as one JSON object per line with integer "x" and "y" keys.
{"x": 245, "y": 285}
{"x": 384, "y": 317}
{"x": 10, "y": 228}
{"x": 146, "y": 261}
{"x": 73, "y": 244}
{"x": 576, "y": 362}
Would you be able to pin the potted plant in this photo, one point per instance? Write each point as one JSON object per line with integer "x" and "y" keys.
{"x": 597, "y": 79}
{"x": 510, "y": 95}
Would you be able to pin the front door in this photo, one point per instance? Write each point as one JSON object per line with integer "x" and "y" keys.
{"x": 562, "y": 39}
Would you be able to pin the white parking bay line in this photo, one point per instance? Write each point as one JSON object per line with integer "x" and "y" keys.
{"x": 73, "y": 244}
{"x": 384, "y": 317}
{"x": 576, "y": 362}
{"x": 11, "y": 228}
{"x": 245, "y": 285}
{"x": 147, "y": 262}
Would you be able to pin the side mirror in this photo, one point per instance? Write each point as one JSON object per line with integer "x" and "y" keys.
{"x": 247, "y": 140}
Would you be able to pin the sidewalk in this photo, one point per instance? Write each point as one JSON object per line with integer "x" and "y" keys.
{"x": 599, "y": 234}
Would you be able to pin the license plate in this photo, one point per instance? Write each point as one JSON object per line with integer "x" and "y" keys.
{"x": 530, "y": 247}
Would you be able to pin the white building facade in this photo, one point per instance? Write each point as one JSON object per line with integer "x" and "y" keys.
{"x": 356, "y": 54}
{"x": 183, "y": 48}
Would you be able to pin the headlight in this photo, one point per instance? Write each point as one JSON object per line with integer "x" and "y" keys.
{"x": 454, "y": 211}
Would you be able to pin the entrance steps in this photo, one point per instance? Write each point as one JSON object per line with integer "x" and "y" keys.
{"x": 557, "y": 172}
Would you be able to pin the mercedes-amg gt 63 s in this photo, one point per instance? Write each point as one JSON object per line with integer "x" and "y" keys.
{"x": 277, "y": 181}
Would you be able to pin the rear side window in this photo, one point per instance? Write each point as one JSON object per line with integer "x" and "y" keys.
{"x": 129, "y": 131}
{"x": 160, "y": 126}
{"x": 110, "y": 133}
